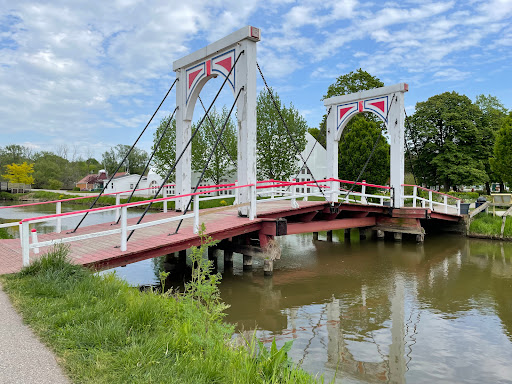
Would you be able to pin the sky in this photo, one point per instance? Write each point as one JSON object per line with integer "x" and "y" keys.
{"x": 87, "y": 75}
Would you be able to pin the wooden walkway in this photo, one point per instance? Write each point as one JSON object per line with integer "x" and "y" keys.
{"x": 221, "y": 223}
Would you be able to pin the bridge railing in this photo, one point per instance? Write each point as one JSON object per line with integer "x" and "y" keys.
{"x": 58, "y": 204}
{"x": 124, "y": 228}
{"x": 436, "y": 201}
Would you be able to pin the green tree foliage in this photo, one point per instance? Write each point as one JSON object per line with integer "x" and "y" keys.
{"x": 446, "y": 138}
{"x": 276, "y": 154}
{"x": 354, "y": 149}
{"x": 48, "y": 168}
{"x": 134, "y": 164}
{"x": 353, "y": 82}
{"x": 165, "y": 155}
{"x": 493, "y": 114}
{"x": 20, "y": 173}
{"x": 501, "y": 163}
{"x": 223, "y": 161}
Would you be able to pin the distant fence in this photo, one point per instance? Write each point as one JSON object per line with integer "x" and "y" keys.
{"x": 14, "y": 187}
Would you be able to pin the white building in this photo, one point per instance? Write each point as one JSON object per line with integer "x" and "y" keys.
{"x": 314, "y": 153}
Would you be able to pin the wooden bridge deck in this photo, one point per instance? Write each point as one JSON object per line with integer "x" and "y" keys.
{"x": 221, "y": 223}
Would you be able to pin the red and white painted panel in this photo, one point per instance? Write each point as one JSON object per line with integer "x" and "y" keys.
{"x": 220, "y": 64}
{"x": 378, "y": 105}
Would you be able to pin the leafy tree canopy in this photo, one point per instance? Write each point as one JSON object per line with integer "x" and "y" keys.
{"x": 446, "y": 136}
{"x": 276, "y": 153}
{"x": 134, "y": 164}
{"x": 501, "y": 163}
{"x": 20, "y": 173}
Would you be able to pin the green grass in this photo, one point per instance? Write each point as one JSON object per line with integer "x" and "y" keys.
{"x": 9, "y": 196}
{"x": 487, "y": 224}
{"x": 104, "y": 331}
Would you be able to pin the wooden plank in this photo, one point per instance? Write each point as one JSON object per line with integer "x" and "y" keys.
{"x": 479, "y": 209}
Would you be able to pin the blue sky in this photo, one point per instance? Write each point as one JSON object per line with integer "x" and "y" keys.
{"x": 87, "y": 75}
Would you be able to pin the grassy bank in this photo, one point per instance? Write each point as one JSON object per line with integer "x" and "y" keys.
{"x": 487, "y": 224}
{"x": 104, "y": 331}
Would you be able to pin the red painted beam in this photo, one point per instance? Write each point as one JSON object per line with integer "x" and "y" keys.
{"x": 316, "y": 226}
{"x": 445, "y": 216}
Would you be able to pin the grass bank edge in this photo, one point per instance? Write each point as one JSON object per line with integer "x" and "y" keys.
{"x": 487, "y": 224}
{"x": 103, "y": 330}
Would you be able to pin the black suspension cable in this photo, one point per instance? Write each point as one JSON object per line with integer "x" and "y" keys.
{"x": 219, "y": 136}
{"x": 186, "y": 146}
{"x": 215, "y": 131}
{"x": 125, "y": 157}
{"x": 297, "y": 150}
{"x": 347, "y": 194}
{"x": 151, "y": 157}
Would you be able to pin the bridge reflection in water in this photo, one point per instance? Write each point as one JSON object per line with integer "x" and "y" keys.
{"x": 383, "y": 311}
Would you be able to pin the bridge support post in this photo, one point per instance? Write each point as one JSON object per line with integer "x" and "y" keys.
{"x": 315, "y": 235}
{"x": 228, "y": 259}
{"x": 380, "y": 234}
{"x": 347, "y": 234}
{"x": 329, "y": 236}
{"x": 247, "y": 262}
{"x": 245, "y": 73}
{"x": 182, "y": 256}
{"x": 397, "y": 236}
{"x": 362, "y": 233}
{"x": 268, "y": 267}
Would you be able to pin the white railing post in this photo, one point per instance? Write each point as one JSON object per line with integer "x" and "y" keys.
{"x": 458, "y": 207}
{"x": 252, "y": 208}
{"x": 164, "y": 195}
{"x": 34, "y": 240}
{"x": 382, "y": 200}
{"x": 196, "y": 214}
{"x": 423, "y": 203}
{"x": 430, "y": 203}
{"x": 363, "y": 193}
{"x": 118, "y": 210}
{"x": 272, "y": 190}
{"x": 294, "y": 195}
{"x": 235, "y": 202}
{"x": 124, "y": 224}
{"x": 445, "y": 204}
{"x": 58, "y": 211}
{"x": 414, "y": 195}
{"x": 25, "y": 242}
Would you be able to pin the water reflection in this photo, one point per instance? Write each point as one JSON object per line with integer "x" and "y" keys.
{"x": 383, "y": 311}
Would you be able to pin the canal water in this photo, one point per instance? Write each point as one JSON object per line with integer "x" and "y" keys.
{"x": 376, "y": 311}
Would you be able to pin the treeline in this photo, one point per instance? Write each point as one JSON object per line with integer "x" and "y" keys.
{"x": 62, "y": 170}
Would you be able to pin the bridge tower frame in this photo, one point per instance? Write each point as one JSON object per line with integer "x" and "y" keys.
{"x": 193, "y": 72}
{"x": 388, "y": 104}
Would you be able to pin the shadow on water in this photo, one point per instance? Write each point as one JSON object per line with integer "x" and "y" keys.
{"x": 374, "y": 311}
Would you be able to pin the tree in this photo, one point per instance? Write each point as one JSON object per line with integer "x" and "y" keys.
{"x": 493, "y": 114}
{"x": 20, "y": 173}
{"x": 50, "y": 168}
{"x": 276, "y": 153}
{"x": 501, "y": 164}
{"x": 446, "y": 138}
{"x": 134, "y": 164}
{"x": 165, "y": 155}
{"x": 355, "y": 147}
{"x": 222, "y": 164}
